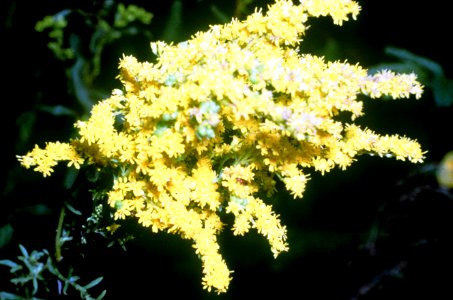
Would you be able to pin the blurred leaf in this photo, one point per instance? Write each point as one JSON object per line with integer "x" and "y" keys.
{"x": 57, "y": 110}
{"x": 73, "y": 279}
{"x": 9, "y": 263}
{"x": 242, "y": 8}
{"x": 70, "y": 177}
{"x": 443, "y": 91}
{"x": 24, "y": 251}
{"x": 174, "y": 22}
{"x": 102, "y": 295}
{"x": 6, "y": 233}
{"x": 73, "y": 210}
{"x": 220, "y": 15}
{"x": 65, "y": 237}
{"x": 405, "y": 55}
{"x": 9, "y": 296}
{"x": 26, "y": 121}
{"x": 92, "y": 175}
{"x": 93, "y": 283}
{"x": 37, "y": 210}
{"x": 82, "y": 89}
{"x": 21, "y": 280}
{"x": 35, "y": 285}
{"x": 70, "y": 281}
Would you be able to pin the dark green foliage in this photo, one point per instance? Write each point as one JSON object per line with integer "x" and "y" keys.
{"x": 36, "y": 275}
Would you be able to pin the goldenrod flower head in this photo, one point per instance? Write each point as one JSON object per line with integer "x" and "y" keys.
{"x": 209, "y": 127}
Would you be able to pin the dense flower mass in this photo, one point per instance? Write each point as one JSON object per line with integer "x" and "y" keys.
{"x": 209, "y": 127}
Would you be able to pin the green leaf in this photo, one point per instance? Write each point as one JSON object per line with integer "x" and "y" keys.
{"x": 9, "y": 263}
{"x": 23, "y": 250}
{"x": 443, "y": 91}
{"x": 57, "y": 110}
{"x": 21, "y": 280}
{"x": 25, "y": 122}
{"x": 36, "y": 255}
{"x": 174, "y": 23}
{"x": 92, "y": 175}
{"x": 70, "y": 177}
{"x": 6, "y": 233}
{"x": 220, "y": 15}
{"x": 102, "y": 295}
{"x": 73, "y": 279}
{"x": 73, "y": 210}
{"x": 35, "y": 285}
{"x": 9, "y": 296}
{"x": 65, "y": 239}
{"x": 38, "y": 210}
{"x": 405, "y": 55}
{"x": 93, "y": 283}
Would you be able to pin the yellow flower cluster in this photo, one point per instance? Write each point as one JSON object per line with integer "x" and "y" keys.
{"x": 211, "y": 125}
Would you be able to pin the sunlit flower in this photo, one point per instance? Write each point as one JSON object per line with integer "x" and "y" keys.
{"x": 216, "y": 121}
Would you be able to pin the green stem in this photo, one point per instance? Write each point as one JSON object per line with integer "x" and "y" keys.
{"x": 58, "y": 256}
{"x": 238, "y": 9}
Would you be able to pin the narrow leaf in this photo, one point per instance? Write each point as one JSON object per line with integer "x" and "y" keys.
{"x": 93, "y": 283}
{"x": 422, "y": 61}
{"x": 6, "y": 233}
{"x": 102, "y": 295}
{"x": 443, "y": 91}
{"x": 73, "y": 210}
{"x": 174, "y": 22}
{"x": 9, "y": 263}
{"x": 57, "y": 110}
{"x": 9, "y": 296}
{"x": 21, "y": 280}
{"x": 24, "y": 251}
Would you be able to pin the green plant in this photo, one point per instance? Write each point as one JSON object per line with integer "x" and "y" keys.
{"x": 37, "y": 274}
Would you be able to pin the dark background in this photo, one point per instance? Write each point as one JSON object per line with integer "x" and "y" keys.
{"x": 380, "y": 230}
